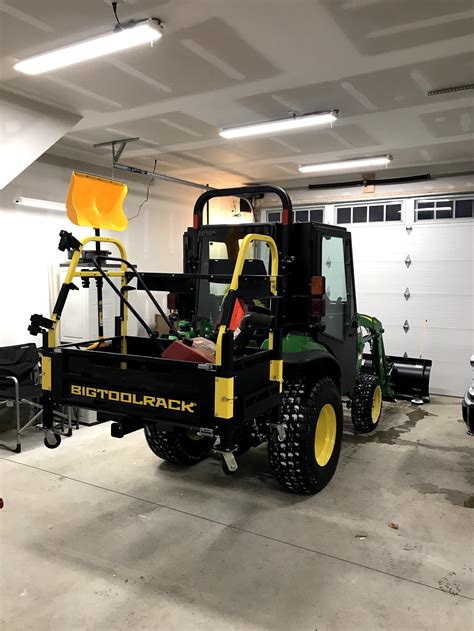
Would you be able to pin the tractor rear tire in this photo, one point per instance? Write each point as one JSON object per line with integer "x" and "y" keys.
{"x": 311, "y": 412}
{"x": 366, "y": 406}
{"x": 177, "y": 447}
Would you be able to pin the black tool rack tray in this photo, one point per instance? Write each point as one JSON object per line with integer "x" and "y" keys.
{"x": 116, "y": 384}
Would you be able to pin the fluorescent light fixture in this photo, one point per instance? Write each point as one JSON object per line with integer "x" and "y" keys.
{"x": 44, "y": 204}
{"x": 143, "y": 32}
{"x": 284, "y": 124}
{"x": 346, "y": 164}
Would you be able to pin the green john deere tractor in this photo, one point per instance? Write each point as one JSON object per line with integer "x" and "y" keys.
{"x": 263, "y": 343}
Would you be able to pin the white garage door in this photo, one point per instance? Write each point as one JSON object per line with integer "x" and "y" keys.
{"x": 432, "y": 263}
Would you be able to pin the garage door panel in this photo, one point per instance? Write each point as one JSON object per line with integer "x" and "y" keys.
{"x": 394, "y": 309}
{"x": 438, "y": 343}
{"x": 379, "y": 244}
{"x": 450, "y": 378}
{"x": 442, "y": 277}
{"x": 439, "y": 311}
{"x": 397, "y": 342}
{"x": 432, "y": 277}
{"x": 380, "y": 277}
{"x": 447, "y": 241}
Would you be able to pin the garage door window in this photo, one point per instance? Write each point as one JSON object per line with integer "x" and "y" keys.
{"x": 372, "y": 213}
{"x": 430, "y": 209}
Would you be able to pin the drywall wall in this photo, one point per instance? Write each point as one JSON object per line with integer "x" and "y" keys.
{"x": 28, "y": 248}
{"x": 227, "y": 210}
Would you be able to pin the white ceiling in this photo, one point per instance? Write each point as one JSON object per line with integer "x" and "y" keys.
{"x": 229, "y": 62}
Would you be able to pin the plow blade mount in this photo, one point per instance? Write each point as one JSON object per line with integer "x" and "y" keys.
{"x": 96, "y": 202}
{"x": 410, "y": 377}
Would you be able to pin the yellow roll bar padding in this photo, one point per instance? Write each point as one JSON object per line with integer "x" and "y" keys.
{"x": 224, "y": 387}
{"x": 96, "y": 202}
{"x": 276, "y": 371}
{"x": 276, "y": 365}
{"x": 239, "y": 264}
{"x": 72, "y": 273}
{"x": 222, "y": 330}
{"x": 46, "y": 373}
{"x": 224, "y": 397}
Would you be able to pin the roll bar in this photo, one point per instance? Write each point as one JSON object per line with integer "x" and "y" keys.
{"x": 243, "y": 191}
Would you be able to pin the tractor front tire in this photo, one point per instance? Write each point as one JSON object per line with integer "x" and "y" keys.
{"x": 177, "y": 447}
{"x": 311, "y": 412}
{"x": 366, "y": 406}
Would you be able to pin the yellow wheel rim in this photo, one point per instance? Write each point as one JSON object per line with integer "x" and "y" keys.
{"x": 376, "y": 405}
{"x": 325, "y": 435}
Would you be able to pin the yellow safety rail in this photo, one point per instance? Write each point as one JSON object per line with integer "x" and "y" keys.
{"x": 239, "y": 266}
{"x": 224, "y": 386}
{"x": 73, "y": 273}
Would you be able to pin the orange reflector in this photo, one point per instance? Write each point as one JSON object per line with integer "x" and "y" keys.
{"x": 96, "y": 202}
{"x": 237, "y": 315}
{"x": 318, "y": 285}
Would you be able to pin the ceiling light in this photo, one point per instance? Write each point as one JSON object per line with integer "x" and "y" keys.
{"x": 273, "y": 127}
{"x": 345, "y": 164}
{"x": 44, "y": 204}
{"x": 146, "y": 31}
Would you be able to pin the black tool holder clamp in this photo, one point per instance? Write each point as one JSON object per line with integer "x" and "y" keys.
{"x": 68, "y": 241}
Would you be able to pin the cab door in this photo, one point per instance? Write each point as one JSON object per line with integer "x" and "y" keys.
{"x": 340, "y": 322}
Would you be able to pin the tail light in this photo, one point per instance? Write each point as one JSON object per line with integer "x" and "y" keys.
{"x": 318, "y": 307}
{"x": 318, "y": 289}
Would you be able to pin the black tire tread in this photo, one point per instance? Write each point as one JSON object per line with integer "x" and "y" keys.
{"x": 361, "y": 409}
{"x": 176, "y": 447}
{"x": 288, "y": 458}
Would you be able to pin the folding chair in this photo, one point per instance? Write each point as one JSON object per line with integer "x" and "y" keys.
{"x": 19, "y": 384}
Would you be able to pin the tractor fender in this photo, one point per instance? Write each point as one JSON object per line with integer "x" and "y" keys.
{"x": 316, "y": 363}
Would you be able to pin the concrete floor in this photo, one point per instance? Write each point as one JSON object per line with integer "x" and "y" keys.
{"x": 101, "y": 534}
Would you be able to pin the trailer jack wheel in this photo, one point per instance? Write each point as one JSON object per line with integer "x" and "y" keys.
{"x": 229, "y": 463}
{"x": 52, "y": 440}
{"x": 279, "y": 432}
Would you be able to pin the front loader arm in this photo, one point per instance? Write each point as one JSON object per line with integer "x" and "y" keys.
{"x": 374, "y": 337}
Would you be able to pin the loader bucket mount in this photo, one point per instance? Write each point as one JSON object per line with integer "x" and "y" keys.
{"x": 400, "y": 377}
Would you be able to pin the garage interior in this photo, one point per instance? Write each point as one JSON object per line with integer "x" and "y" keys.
{"x": 367, "y": 111}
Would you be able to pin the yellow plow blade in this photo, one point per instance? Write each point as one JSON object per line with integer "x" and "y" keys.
{"x": 96, "y": 202}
